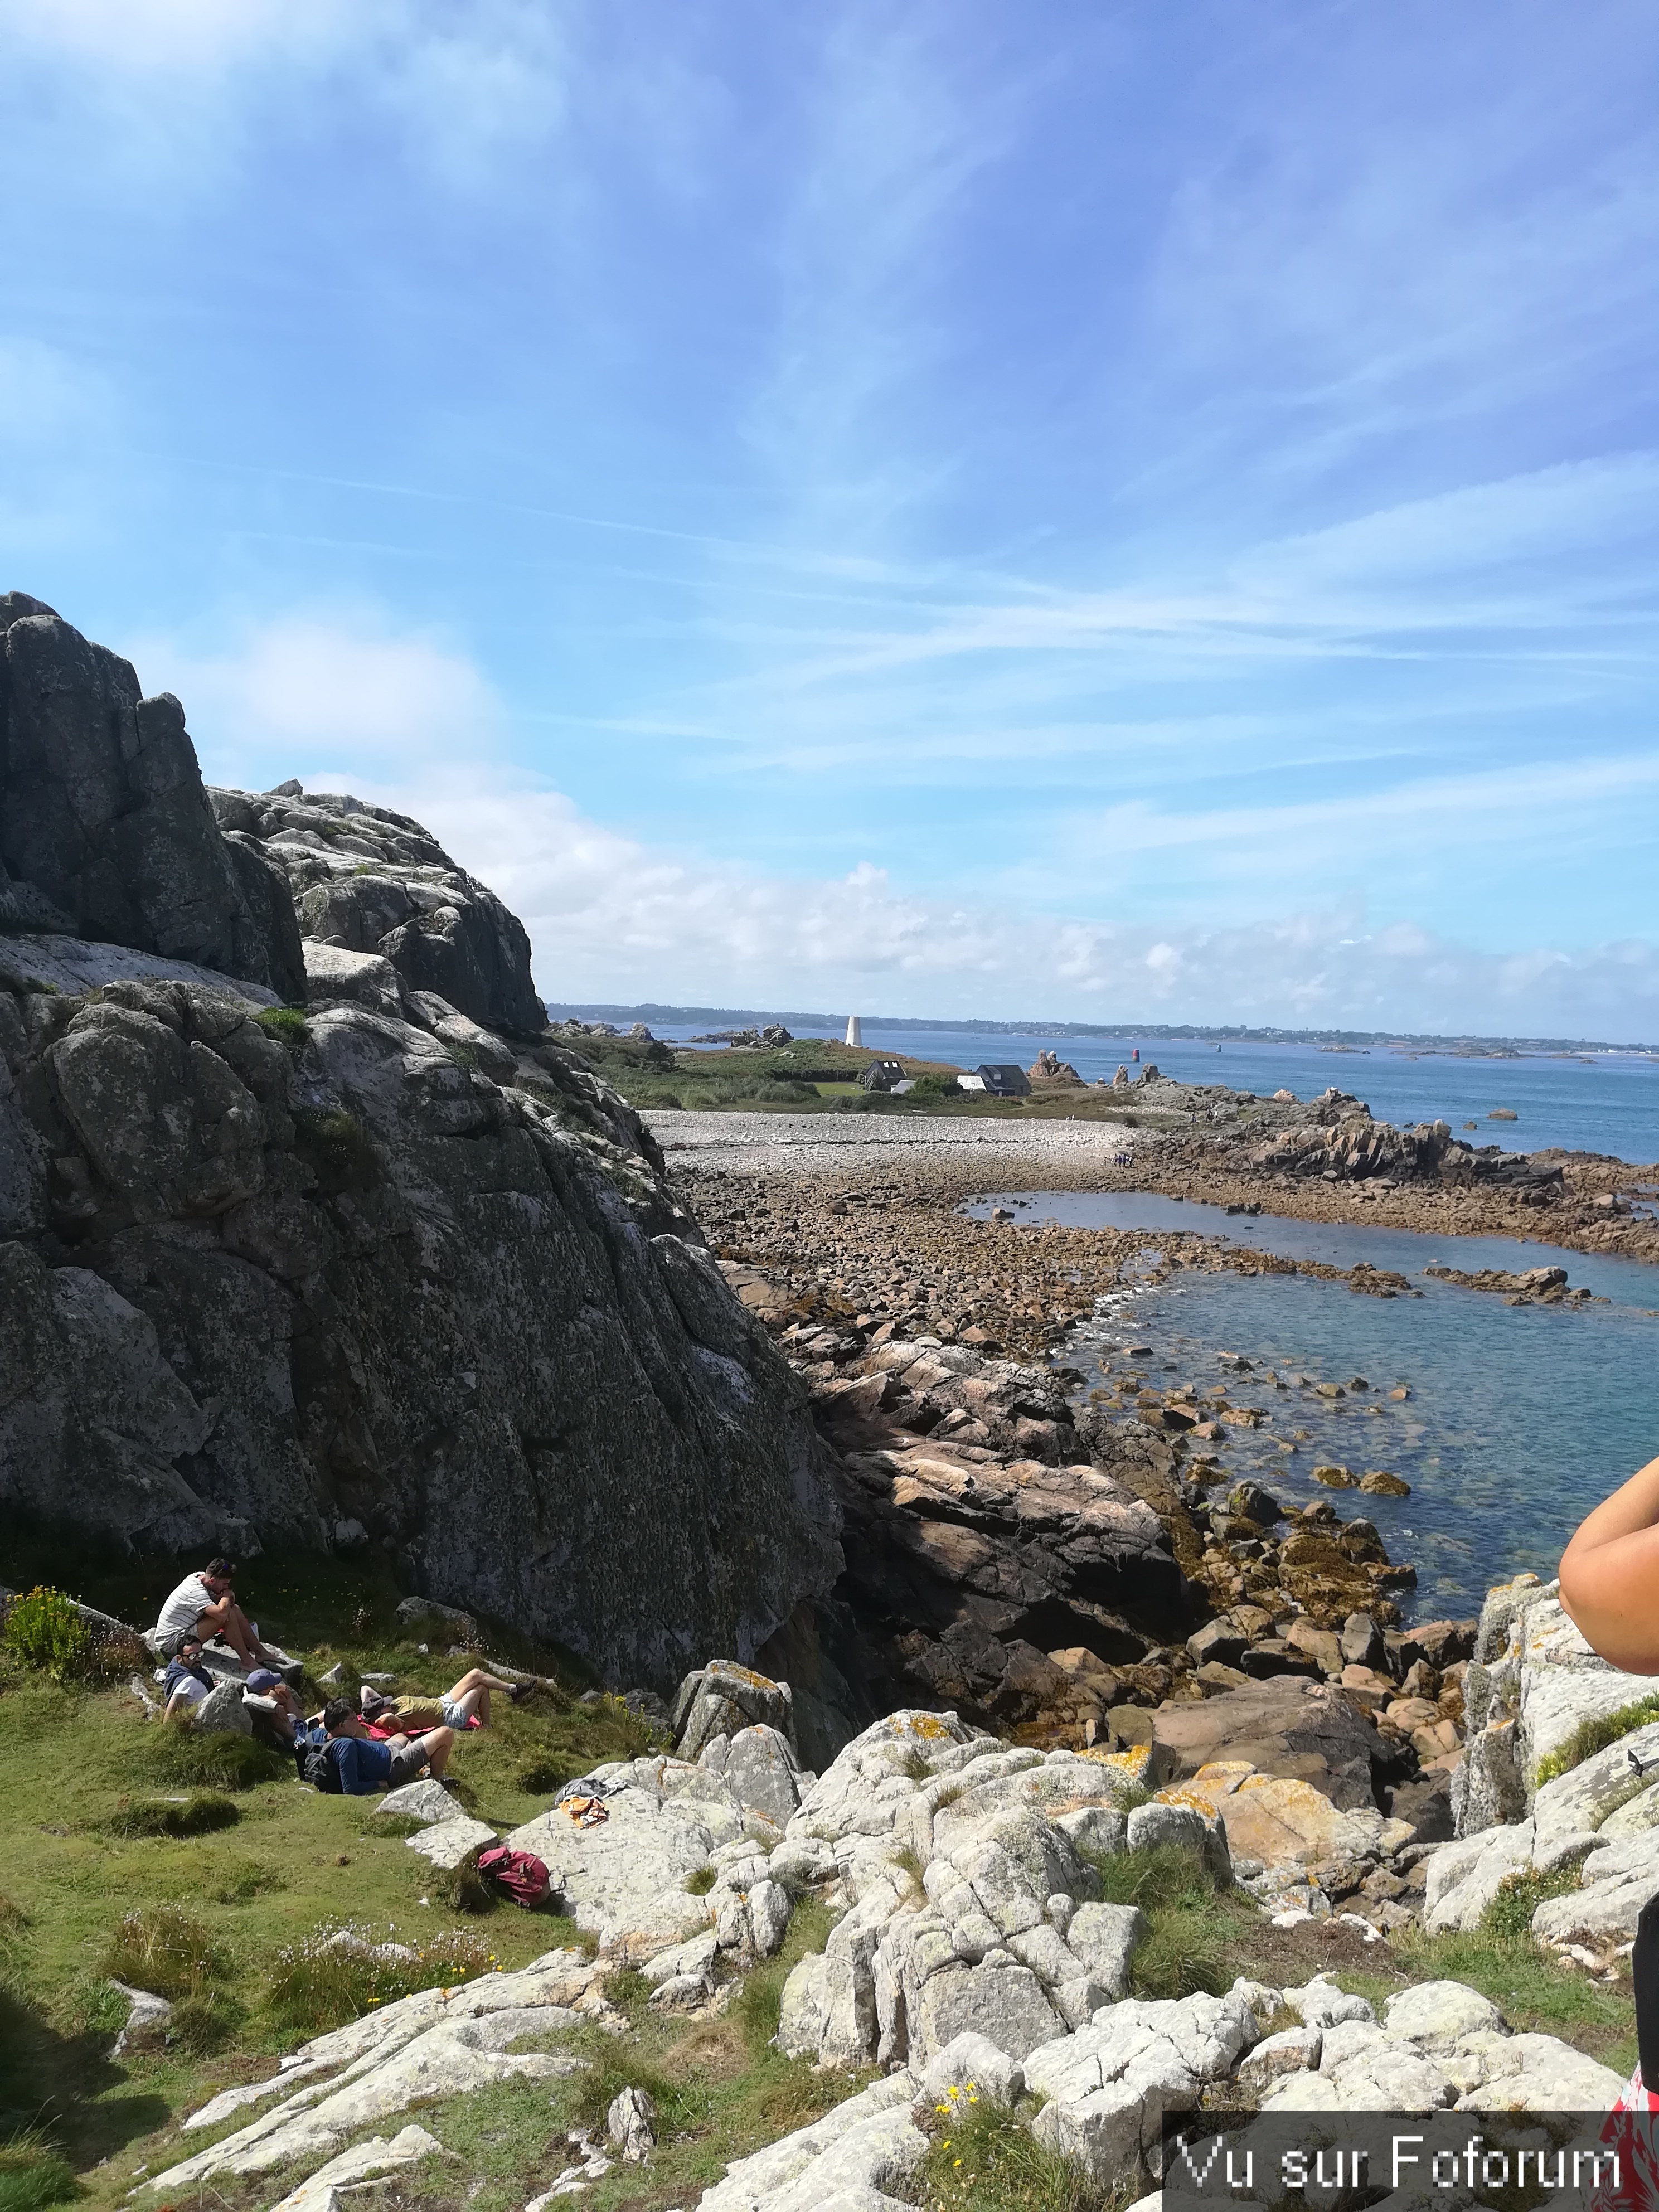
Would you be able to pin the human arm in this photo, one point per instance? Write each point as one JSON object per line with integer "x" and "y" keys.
{"x": 1610, "y": 1576}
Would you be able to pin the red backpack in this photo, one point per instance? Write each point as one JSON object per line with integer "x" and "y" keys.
{"x": 518, "y": 1874}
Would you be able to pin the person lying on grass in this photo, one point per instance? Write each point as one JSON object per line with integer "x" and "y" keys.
{"x": 204, "y": 1607}
{"x": 289, "y": 1714}
{"x": 364, "y": 1765}
{"x": 454, "y": 1709}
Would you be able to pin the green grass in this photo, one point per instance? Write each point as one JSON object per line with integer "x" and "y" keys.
{"x": 720, "y": 2088}
{"x": 1534, "y": 1995}
{"x": 91, "y": 1887}
{"x": 1196, "y": 1929}
{"x": 199, "y": 1814}
{"x": 164, "y": 1949}
{"x": 340, "y": 1971}
{"x": 286, "y": 1023}
{"x": 985, "y": 2159}
{"x": 34, "y": 2175}
{"x": 175, "y": 1752}
{"x": 1593, "y": 1735}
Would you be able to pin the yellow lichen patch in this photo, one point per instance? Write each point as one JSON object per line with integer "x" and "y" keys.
{"x": 1179, "y": 1794}
{"x": 1235, "y": 1772}
{"x": 926, "y": 1725}
{"x": 1135, "y": 1765}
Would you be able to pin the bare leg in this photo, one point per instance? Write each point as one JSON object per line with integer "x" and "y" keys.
{"x": 437, "y": 1746}
{"x": 476, "y": 1685}
{"x": 225, "y": 1621}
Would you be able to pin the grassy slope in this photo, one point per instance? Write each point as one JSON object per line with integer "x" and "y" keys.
{"x": 73, "y": 1758}
{"x": 294, "y": 1859}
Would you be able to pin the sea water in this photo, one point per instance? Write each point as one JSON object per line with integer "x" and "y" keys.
{"x": 1520, "y": 1419}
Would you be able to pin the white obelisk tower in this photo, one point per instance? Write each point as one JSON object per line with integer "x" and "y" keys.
{"x": 855, "y": 1035}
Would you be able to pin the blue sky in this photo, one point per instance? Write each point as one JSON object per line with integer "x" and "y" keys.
{"x": 1093, "y": 511}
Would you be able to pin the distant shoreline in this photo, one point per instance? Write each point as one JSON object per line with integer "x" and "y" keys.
{"x": 1199, "y": 1033}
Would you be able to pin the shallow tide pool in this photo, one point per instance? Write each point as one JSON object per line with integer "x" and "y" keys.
{"x": 1520, "y": 1417}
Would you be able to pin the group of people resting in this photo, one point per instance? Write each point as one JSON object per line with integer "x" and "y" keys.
{"x": 380, "y": 1743}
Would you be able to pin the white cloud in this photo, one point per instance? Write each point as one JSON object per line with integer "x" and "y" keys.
{"x": 298, "y": 692}
{"x": 390, "y": 716}
{"x": 613, "y": 919}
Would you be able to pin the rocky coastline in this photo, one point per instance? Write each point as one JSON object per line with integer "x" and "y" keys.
{"x": 313, "y": 1235}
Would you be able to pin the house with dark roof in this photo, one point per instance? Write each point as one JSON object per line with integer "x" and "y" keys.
{"x": 1009, "y": 1082}
{"x": 882, "y": 1075}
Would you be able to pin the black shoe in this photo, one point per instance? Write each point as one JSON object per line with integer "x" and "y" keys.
{"x": 520, "y": 1691}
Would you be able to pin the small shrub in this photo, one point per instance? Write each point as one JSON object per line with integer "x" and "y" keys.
{"x": 161, "y": 1950}
{"x": 44, "y": 1630}
{"x": 34, "y": 2175}
{"x": 464, "y": 1889}
{"x": 626, "y": 1989}
{"x": 339, "y": 1150}
{"x": 983, "y": 2160}
{"x": 1593, "y": 1735}
{"x": 1519, "y": 1896}
{"x": 199, "y": 1815}
{"x": 180, "y": 1753}
{"x": 701, "y": 1880}
{"x": 613, "y": 2071}
{"x": 340, "y": 1971}
{"x": 905, "y": 1862}
{"x": 286, "y": 1023}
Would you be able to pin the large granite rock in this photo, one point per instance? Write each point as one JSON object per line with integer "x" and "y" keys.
{"x": 965, "y": 1573}
{"x": 388, "y": 1273}
{"x": 364, "y": 1284}
{"x": 105, "y": 832}
{"x": 369, "y": 882}
{"x": 1287, "y": 1727}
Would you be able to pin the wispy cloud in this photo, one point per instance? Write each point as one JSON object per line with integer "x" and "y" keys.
{"x": 467, "y": 87}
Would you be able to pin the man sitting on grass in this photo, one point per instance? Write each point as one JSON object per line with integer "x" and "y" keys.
{"x": 454, "y": 1709}
{"x": 187, "y": 1681}
{"x": 204, "y": 1605}
{"x": 365, "y": 1766}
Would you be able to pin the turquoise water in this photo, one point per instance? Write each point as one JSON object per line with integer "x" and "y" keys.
{"x": 1521, "y": 1417}
{"x": 1610, "y": 1106}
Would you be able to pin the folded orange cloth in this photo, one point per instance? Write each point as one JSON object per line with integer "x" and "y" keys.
{"x": 586, "y": 1812}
